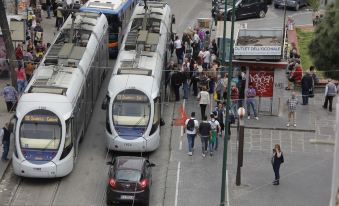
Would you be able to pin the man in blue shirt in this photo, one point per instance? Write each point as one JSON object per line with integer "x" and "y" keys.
{"x": 250, "y": 94}
{"x": 10, "y": 95}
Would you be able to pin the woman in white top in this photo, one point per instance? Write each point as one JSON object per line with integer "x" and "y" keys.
{"x": 204, "y": 100}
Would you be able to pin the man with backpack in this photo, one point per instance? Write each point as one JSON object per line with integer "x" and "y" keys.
{"x": 215, "y": 129}
{"x": 192, "y": 126}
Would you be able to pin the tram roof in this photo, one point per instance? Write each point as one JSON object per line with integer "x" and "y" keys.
{"x": 67, "y": 62}
{"x": 106, "y": 6}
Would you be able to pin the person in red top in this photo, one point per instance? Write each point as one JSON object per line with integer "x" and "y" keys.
{"x": 21, "y": 79}
{"x": 295, "y": 76}
{"x": 234, "y": 98}
{"x": 19, "y": 54}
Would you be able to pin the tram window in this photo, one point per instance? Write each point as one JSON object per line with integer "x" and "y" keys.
{"x": 156, "y": 111}
{"x": 156, "y": 116}
{"x": 68, "y": 137}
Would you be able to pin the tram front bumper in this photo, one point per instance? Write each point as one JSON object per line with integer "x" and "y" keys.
{"x": 27, "y": 169}
{"x": 140, "y": 144}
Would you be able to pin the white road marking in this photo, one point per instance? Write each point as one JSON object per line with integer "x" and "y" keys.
{"x": 228, "y": 193}
{"x": 177, "y": 185}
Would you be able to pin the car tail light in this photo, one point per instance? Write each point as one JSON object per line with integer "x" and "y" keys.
{"x": 143, "y": 184}
{"x": 113, "y": 183}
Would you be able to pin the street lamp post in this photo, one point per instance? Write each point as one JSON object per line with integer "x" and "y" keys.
{"x": 284, "y": 31}
{"x": 230, "y": 74}
{"x": 226, "y": 137}
{"x": 241, "y": 114}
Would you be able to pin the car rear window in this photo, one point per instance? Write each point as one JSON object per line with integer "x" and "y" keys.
{"x": 128, "y": 175}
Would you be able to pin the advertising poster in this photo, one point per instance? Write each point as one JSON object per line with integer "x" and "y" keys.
{"x": 263, "y": 82}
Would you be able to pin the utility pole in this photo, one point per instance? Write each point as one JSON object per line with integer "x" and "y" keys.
{"x": 241, "y": 133}
{"x": 10, "y": 53}
{"x": 226, "y": 137}
{"x": 284, "y": 31}
{"x": 16, "y": 4}
{"x": 230, "y": 74}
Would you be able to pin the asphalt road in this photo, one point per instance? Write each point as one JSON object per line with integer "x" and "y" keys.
{"x": 178, "y": 180}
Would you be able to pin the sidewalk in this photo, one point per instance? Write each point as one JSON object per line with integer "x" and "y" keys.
{"x": 306, "y": 173}
{"x": 4, "y": 117}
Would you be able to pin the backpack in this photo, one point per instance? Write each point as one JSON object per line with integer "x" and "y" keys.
{"x": 214, "y": 125}
{"x": 190, "y": 125}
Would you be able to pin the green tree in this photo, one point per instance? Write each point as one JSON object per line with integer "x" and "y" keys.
{"x": 324, "y": 47}
{"x": 314, "y": 4}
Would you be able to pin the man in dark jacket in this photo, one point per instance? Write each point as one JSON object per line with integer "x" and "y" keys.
{"x": 176, "y": 81}
{"x": 205, "y": 134}
{"x": 6, "y": 134}
{"x": 306, "y": 86}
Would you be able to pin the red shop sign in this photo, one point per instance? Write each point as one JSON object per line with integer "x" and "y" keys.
{"x": 263, "y": 82}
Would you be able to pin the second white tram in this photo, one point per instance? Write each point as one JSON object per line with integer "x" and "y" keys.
{"x": 133, "y": 99}
{"x": 56, "y": 107}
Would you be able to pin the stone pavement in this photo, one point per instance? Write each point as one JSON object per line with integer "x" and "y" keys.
{"x": 306, "y": 173}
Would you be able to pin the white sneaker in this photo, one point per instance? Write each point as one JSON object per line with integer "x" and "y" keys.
{"x": 294, "y": 125}
{"x": 249, "y": 117}
{"x": 257, "y": 118}
{"x": 203, "y": 155}
{"x": 189, "y": 153}
{"x": 288, "y": 124}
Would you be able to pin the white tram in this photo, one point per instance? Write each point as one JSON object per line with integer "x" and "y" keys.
{"x": 133, "y": 100}
{"x": 56, "y": 107}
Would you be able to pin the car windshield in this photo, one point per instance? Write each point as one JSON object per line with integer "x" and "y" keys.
{"x": 40, "y": 130}
{"x": 131, "y": 108}
{"x": 128, "y": 175}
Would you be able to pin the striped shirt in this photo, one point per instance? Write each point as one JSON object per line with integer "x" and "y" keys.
{"x": 292, "y": 104}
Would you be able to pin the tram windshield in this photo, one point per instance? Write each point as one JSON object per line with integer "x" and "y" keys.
{"x": 40, "y": 129}
{"x": 131, "y": 108}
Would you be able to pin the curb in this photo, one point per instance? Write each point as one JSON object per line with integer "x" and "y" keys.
{"x": 278, "y": 128}
{"x": 9, "y": 162}
{"x": 318, "y": 141}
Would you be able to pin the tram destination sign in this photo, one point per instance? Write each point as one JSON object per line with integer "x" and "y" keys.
{"x": 41, "y": 118}
{"x": 132, "y": 97}
{"x": 257, "y": 50}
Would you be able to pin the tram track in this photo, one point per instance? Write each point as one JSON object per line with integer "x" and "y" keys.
{"x": 35, "y": 192}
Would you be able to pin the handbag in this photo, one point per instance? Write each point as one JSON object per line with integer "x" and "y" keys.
{"x": 282, "y": 158}
{"x": 215, "y": 96}
{"x": 311, "y": 93}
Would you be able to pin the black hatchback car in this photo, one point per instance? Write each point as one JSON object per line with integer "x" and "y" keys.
{"x": 129, "y": 180}
{"x": 245, "y": 9}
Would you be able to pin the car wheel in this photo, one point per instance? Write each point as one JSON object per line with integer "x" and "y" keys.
{"x": 276, "y": 6}
{"x": 108, "y": 203}
{"x": 262, "y": 14}
{"x": 297, "y": 7}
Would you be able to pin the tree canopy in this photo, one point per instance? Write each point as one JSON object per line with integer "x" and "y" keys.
{"x": 324, "y": 47}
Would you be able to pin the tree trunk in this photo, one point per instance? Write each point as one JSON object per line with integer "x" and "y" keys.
{"x": 10, "y": 53}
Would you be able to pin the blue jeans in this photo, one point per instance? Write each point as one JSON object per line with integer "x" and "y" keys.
{"x": 234, "y": 107}
{"x": 204, "y": 143}
{"x": 190, "y": 141}
{"x": 6, "y": 149}
{"x": 276, "y": 168}
{"x": 251, "y": 103}
{"x": 211, "y": 145}
{"x": 21, "y": 85}
{"x": 48, "y": 11}
{"x": 186, "y": 89}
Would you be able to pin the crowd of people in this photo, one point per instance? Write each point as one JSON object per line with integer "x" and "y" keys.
{"x": 197, "y": 72}
{"x": 30, "y": 52}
